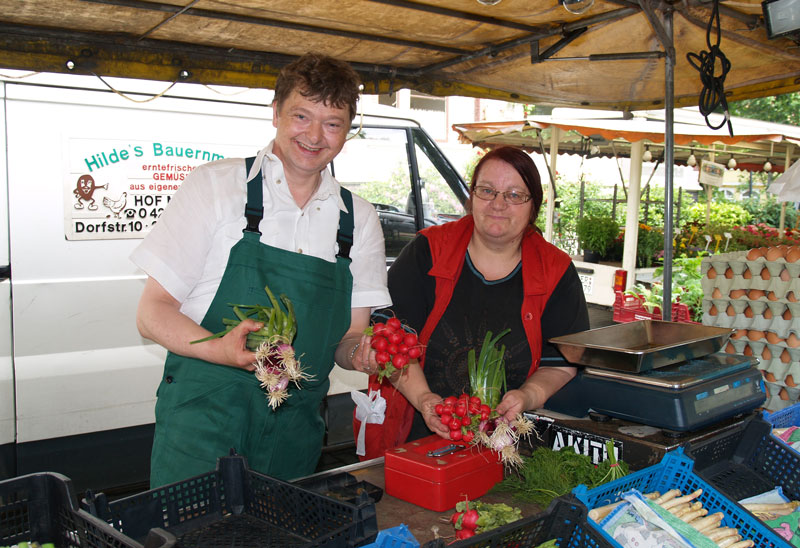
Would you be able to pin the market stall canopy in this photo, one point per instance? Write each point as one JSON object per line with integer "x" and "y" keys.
{"x": 787, "y": 186}
{"x": 609, "y": 56}
{"x": 607, "y": 134}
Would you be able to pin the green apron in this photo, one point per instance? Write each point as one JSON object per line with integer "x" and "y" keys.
{"x": 204, "y": 410}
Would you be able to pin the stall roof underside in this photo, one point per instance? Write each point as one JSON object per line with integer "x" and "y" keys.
{"x": 611, "y": 56}
{"x": 598, "y": 134}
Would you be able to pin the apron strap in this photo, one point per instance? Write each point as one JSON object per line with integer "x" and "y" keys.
{"x": 344, "y": 236}
{"x": 254, "y": 210}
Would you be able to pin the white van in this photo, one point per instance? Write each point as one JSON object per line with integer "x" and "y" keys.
{"x": 87, "y": 171}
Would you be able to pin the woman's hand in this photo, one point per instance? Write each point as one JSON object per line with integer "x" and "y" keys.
{"x": 426, "y": 406}
{"x": 364, "y": 356}
{"x": 513, "y": 403}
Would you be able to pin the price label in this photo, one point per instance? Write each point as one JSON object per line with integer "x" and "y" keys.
{"x": 587, "y": 280}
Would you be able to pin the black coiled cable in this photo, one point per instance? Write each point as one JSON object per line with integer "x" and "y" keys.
{"x": 712, "y": 95}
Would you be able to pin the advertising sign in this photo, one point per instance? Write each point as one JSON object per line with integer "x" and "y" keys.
{"x": 711, "y": 173}
{"x": 118, "y": 189}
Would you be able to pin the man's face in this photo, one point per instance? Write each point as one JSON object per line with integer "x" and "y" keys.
{"x": 309, "y": 134}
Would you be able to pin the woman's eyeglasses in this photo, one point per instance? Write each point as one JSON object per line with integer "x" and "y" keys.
{"x": 513, "y": 197}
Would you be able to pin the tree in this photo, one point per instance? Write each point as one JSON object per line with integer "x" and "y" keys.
{"x": 781, "y": 109}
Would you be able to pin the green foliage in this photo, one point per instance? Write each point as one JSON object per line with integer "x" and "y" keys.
{"x": 547, "y": 474}
{"x": 596, "y": 233}
{"x": 781, "y": 109}
{"x": 768, "y": 211}
{"x": 469, "y": 169}
{"x": 393, "y": 191}
{"x": 722, "y": 213}
{"x": 569, "y": 203}
{"x": 650, "y": 242}
{"x": 686, "y": 287}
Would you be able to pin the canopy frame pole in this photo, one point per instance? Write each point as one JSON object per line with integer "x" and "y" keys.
{"x": 669, "y": 161}
{"x": 555, "y": 137}
{"x": 786, "y": 163}
{"x": 630, "y": 243}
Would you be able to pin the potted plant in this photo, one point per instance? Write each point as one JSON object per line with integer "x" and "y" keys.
{"x": 596, "y": 234}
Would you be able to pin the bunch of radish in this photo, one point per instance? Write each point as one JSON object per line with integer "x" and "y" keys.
{"x": 395, "y": 344}
{"x": 472, "y": 417}
{"x": 276, "y": 363}
{"x": 474, "y": 517}
{"x": 463, "y": 415}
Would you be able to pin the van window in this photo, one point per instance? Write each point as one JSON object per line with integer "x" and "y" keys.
{"x": 379, "y": 165}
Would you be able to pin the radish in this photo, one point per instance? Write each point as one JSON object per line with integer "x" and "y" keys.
{"x": 470, "y": 519}
{"x": 276, "y": 364}
{"x": 390, "y": 341}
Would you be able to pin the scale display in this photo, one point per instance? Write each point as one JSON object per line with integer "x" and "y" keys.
{"x": 680, "y": 397}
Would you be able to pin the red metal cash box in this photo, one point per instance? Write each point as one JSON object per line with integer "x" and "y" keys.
{"x": 437, "y": 482}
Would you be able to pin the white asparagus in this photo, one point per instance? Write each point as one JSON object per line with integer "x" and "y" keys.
{"x": 743, "y": 544}
{"x": 693, "y": 515}
{"x": 597, "y": 514}
{"x": 727, "y": 541}
{"x": 709, "y": 522}
{"x": 690, "y": 508}
{"x": 722, "y": 532}
{"x": 669, "y": 495}
{"x": 679, "y": 500}
{"x": 764, "y": 507}
{"x": 675, "y": 510}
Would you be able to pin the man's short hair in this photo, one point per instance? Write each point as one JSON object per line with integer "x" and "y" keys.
{"x": 320, "y": 78}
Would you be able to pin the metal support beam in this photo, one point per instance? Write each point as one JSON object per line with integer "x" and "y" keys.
{"x": 669, "y": 162}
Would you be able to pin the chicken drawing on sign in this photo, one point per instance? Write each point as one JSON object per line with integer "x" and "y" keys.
{"x": 84, "y": 192}
{"x": 116, "y": 206}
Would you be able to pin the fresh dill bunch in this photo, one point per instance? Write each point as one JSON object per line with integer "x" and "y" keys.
{"x": 548, "y": 474}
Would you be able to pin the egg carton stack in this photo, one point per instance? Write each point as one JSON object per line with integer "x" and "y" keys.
{"x": 757, "y": 293}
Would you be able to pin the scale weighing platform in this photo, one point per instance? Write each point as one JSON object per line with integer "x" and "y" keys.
{"x": 680, "y": 397}
{"x": 663, "y": 374}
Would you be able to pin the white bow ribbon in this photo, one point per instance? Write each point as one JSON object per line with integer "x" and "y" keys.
{"x": 369, "y": 409}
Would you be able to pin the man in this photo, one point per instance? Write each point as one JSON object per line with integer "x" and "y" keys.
{"x": 214, "y": 245}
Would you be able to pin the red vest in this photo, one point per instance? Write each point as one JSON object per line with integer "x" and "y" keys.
{"x": 543, "y": 265}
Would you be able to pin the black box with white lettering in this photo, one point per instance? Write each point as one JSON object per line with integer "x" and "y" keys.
{"x": 638, "y": 445}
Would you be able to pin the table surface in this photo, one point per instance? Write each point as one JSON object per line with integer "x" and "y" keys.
{"x": 424, "y": 524}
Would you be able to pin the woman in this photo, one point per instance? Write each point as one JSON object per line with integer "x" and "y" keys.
{"x": 489, "y": 271}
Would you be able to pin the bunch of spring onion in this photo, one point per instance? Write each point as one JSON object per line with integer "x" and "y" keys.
{"x": 487, "y": 379}
{"x": 276, "y": 364}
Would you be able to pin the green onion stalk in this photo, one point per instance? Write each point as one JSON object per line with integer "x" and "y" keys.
{"x": 487, "y": 379}
{"x": 276, "y": 364}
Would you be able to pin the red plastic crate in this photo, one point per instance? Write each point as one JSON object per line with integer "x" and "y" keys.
{"x": 439, "y": 482}
{"x": 629, "y": 308}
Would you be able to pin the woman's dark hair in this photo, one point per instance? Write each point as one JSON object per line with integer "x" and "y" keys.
{"x": 322, "y": 79}
{"x": 523, "y": 164}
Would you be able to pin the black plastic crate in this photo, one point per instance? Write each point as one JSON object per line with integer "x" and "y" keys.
{"x": 43, "y": 508}
{"x": 342, "y": 486}
{"x": 564, "y": 520}
{"x": 234, "y": 506}
{"x": 746, "y": 461}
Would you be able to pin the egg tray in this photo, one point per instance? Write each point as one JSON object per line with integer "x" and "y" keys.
{"x": 779, "y": 365}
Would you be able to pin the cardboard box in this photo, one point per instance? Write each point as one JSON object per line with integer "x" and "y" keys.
{"x": 437, "y": 482}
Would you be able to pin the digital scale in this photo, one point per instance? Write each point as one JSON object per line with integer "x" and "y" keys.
{"x": 664, "y": 374}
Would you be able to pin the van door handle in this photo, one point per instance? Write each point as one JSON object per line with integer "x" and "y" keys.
{"x": 5, "y": 272}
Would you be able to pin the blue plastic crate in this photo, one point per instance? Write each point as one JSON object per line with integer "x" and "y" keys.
{"x": 747, "y": 460}
{"x": 395, "y": 537}
{"x": 676, "y": 472}
{"x": 564, "y": 521}
{"x": 784, "y": 418}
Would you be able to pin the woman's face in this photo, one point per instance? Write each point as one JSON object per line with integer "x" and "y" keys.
{"x": 497, "y": 219}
